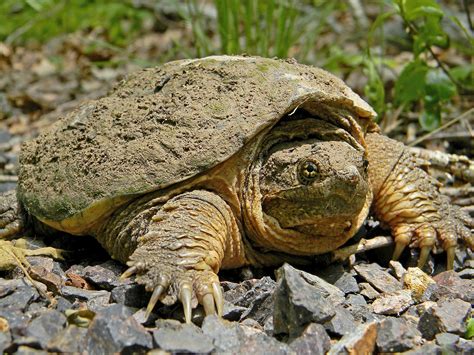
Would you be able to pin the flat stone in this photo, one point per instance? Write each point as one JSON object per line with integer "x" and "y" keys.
{"x": 465, "y": 346}
{"x": 248, "y": 291}
{"x": 428, "y": 348}
{"x": 342, "y": 323}
{"x": 378, "y": 277}
{"x": 5, "y": 340}
{"x": 299, "y": 302}
{"x": 8, "y": 286}
{"x": 452, "y": 286}
{"x": 52, "y": 281}
{"x": 417, "y": 281}
{"x": 446, "y": 316}
{"x": 360, "y": 341}
{"x": 115, "y": 330}
{"x": 313, "y": 340}
{"x": 73, "y": 293}
{"x": 393, "y": 303}
{"x": 347, "y": 283}
{"x": 447, "y": 341}
{"x": 68, "y": 340}
{"x": 397, "y": 269}
{"x": 44, "y": 327}
{"x": 232, "y": 312}
{"x": 355, "y": 300}
{"x": 17, "y": 320}
{"x": 185, "y": 338}
{"x": 105, "y": 276}
{"x": 396, "y": 335}
{"x": 368, "y": 291}
{"x": 467, "y": 273}
{"x": 62, "y": 304}
{"x": 260, "y": 309}
{"x": 26, "y": 350}
{"x": 132, "y": 295}
{"x": 363, "y": 314}
{"x": 20, "y": 299}
{"x": 231, "y": 337}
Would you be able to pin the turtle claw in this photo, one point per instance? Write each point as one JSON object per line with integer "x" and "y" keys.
{"x": 186, "y": 297}
{"x": 154, "y": 299}
{"x": 399, "y": 247}
{"x": 424, "y": 254}
{"x": 450, "y": 258}
{"x": 218, "y": 297}
{"x": 208, "y": 303}
{"x": 132, "y": 270}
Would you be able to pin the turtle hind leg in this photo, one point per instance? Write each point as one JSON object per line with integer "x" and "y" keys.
{"x": 12, "y": 218}
{"x": 188, "y": 240}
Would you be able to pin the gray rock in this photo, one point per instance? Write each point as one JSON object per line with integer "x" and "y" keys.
{"x": 8, "y": 286}
{"x": 393, "y": 303}
{"x": 62, "y": 304}
{"x": 368, "y": 291}
{"x": 397, "y": 269}
{"x": 363, "y": 314}
{"x": 182, "y": 338}
{"x": 450, "y": 285}
{"x": 245, "y": 293}
{"x": 73, "y": 293}
{"x": 17, "y": 321}
{"x": 446, "y": 316}
{"x": 5, "y": 341}
{"x": 313, "y": 340}
{"x": 467, "y": 273}
{"x": 347, "y": 283}
{"x": 115, "y": 330}
{"x": 232, "y": 312}
{"x": 68, "y": 340}
{"x": 299, "y": 302}
{"x": 44, "y": 327}
{"x": 20, "y": 299}
{"x": 396, "y": 335}
{"x": 465, "y": 346}
{"x": 360, "y": 341}
{"x": 26, "y": 350}
{"x": 342, "y": 323}
{"x": 260, "y": 309}
{"x": 132, "y": 295}
{"x": 352, "y": 300}
{"x": 105, "y": 276}
{"x": 232, "y": 338}
{"x": 447, "y": 341}
{"x": 375, "y": 275}
{"x": 428, "y": 348}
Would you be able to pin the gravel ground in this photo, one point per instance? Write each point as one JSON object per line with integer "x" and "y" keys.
{"x": 79, "y": 304}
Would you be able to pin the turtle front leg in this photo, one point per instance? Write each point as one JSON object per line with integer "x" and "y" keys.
{"x": 188, "y": 240}
{"x": 407, "y": 199}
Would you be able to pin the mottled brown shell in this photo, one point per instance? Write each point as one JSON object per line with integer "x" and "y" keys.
{"x": 169, "y": 123}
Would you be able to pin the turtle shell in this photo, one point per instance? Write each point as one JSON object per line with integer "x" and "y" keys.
{"x": 166, "y": 124}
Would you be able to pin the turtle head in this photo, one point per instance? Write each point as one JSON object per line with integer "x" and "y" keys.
{"x": 314, "y": 193}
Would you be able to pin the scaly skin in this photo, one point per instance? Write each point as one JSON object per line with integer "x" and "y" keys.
{"x": 408, "y": 200}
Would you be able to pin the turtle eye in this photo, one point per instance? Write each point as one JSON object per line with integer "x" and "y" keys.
{"x": 308, "y": 172}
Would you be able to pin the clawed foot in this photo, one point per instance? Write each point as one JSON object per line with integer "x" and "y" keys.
{"x": 440, "y": 232}
{"x": 11, "y": 221}
{"x": 171, "y": 282}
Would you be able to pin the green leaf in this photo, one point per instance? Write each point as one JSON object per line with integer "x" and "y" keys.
{"x": 430, "y": 118}
{"x": 439, "y": 86}
{"x": 470, "y": 329}
{"x": 410, "y": 85}
{"x": 418, "y": 8}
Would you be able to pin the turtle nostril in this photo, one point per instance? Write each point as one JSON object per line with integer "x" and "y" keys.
{"x": 351, "y": 175}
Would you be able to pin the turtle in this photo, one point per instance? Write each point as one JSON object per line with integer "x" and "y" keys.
{"x": 200, "y": 165}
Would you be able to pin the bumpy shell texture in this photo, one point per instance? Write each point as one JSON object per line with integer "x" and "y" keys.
{"x": 166, "y": 124}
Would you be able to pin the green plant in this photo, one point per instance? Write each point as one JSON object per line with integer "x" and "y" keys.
{"x": 268, "y": 28}
{"x": 425, "y": 80}
{"x": 40, "y": 20}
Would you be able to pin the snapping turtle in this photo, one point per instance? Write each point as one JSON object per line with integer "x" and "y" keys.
{"x": 220, "y": 162}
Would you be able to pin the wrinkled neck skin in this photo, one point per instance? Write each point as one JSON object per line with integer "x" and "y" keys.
{"x": 284, "y": 214}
